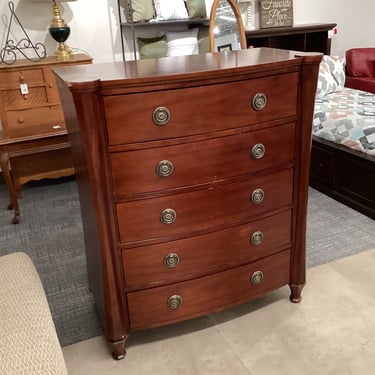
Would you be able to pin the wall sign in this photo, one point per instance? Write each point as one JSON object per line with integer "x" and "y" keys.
{"x": 276, "y": 13}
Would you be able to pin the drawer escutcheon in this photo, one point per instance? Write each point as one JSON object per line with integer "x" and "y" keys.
{"x": 259, "y": 101}
{"x": 257, "y": 238}
{"x": 168, "y": 216}
{"x": 161, "y": 116}
{"x": 174, "y": 302}
{"x": 257, "y": 277}
{"x": 258, "y": 151}
{"x": 257, "y": 196}
{"x": 171, "y": 260}
{"x": 164, "y": 168}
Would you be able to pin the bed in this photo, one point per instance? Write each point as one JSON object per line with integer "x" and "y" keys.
{"x": 343, "y": 146}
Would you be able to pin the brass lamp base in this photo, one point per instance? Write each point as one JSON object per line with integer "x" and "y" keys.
{"x": 63, "y": 52}
{"x": 60, "y": 32}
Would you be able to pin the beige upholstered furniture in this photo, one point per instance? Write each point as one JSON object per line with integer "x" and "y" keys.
{"x": 28, "y": 340}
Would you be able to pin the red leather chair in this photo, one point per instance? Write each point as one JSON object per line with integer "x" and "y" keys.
{"x": 360, "y": 69}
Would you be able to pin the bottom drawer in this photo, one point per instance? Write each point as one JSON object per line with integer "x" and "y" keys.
{"x": 185, "y": 300}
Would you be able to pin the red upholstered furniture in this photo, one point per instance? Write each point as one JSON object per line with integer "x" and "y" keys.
{"x": 360, "y": 69}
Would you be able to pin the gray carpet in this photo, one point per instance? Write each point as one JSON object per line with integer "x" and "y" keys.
{"x": 50, "y": 231}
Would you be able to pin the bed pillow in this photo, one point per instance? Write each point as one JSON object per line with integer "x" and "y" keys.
{"x": 196, "y": 8}
{"x": 337, "y": 68}
{"x": 152, "y": 47}
{"x": 170, "y": 9}
{"x": 181, "y": 43}
{"x": 143, "y": 10}
{"x": 331, "y": 76}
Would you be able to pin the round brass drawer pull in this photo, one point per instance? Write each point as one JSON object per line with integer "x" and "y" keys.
{"x": 171, "y": 260}
{"x": 257, "y": 277}
{"x": 257, "y": 238}
{"x": 174, "y": 302}
{"x": 258, "y": 151}
{"x": 259, "y": 101}
{"x": 168, "y": 216}
{"x": 164, "y": 168}
{"x": 161, "y": 116}
{"x": 257, "y": 196}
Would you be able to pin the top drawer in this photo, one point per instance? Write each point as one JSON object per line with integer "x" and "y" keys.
{"x": 199, "y": 110}
{"x": 11, "y": 79}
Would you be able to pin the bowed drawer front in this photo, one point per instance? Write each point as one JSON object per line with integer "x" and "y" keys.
{"x": 193, "y": 182}
{"x": 170, "y": 113}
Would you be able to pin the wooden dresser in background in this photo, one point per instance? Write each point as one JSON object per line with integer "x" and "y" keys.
{"x": 193, "y": 181}
{"x": 33, "y": 138}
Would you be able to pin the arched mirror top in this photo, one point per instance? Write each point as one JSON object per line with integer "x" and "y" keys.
{"x": 226, "y": 28}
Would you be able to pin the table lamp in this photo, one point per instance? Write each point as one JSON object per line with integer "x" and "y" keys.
{"x": 60, "y": 32}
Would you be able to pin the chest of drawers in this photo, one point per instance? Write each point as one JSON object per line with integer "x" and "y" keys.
{"x": 193, "y": 178}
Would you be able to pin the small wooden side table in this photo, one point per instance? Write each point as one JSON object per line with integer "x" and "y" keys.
{"x": 34, "y": 142}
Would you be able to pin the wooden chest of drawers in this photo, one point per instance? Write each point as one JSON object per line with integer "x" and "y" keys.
{"x": 33, "y": 137}
{"x": 193, "y": 181}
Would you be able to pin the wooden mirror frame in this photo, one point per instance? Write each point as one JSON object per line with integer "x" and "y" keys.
{"x": 241, "y": 29}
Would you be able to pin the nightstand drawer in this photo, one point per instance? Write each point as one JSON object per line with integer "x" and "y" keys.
{"x": 14, "y": 99}
{"x": 194, "y": 163}
{"x": 204, "y": 210}
{"x": 182, "y": 259}
{"x": 13, "y": 78}
{"x": 201, "y": 296}
{"x": 43, "y": 120}
{"x": 199, "y": 110}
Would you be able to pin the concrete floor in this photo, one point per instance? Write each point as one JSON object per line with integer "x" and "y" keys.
{"x": 331, "y": 332}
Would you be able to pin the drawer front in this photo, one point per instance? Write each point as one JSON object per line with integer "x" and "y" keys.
{"x": 44, "y": 119}
{"x": 160, "y": 306}
{"x": 223, "y": 249}
{"x": 14, "y": 98}
{"x": 12, "y": 79}
{"x": 198, "y": 110}
{"x": 203, "y": 210}
{"x": 201, "y": 162}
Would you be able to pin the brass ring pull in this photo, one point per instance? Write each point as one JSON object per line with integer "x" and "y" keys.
{"x": 259, "y": 101}
{"x": 171, "y": 260}
{"x": 161, "y": 116}
{"x": 164, "y": 168}
{"x": 174, "y": 302}
{"x": 168, "y": 216}
{"x": 258, "y": 151}
{"x": 257, "y": 238}
{"x": 257, "y": 277}
{"x": 257, "y": 196}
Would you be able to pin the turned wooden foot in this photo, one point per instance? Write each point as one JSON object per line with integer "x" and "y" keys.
{"x": 119, "y": 350}
{"x": 296, "y": 290}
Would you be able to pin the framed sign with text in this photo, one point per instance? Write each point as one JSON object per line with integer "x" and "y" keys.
{"x": 276, "y": 13}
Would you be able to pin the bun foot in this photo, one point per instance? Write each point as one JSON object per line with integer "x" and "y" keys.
{"x": 296, "y": 290}
{"x": 119, "y": 350}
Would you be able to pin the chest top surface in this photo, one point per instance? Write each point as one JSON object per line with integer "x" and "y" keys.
{"x": 180, "y": 68}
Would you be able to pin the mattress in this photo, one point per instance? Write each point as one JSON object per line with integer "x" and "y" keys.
{"x": 346, "y": 117}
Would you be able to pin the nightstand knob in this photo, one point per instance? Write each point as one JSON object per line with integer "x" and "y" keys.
{"x": 259, "y": 101}
{"x": 257, "y": 196}
{"x": 174, "y": 302}
{"x": 168, "y": 216}
{"x": 164, "y": 168}
{"x": 21, "y": 120}
{"x": 257, "y": 277}
{"x": 161, "y": 116}
{"x": 171, "y": 260}
{"x": 257, "y": 238}
{"x": 258, "y": 151}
